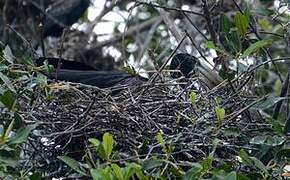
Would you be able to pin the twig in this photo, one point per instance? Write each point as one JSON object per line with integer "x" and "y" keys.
{"x": 283, "y": 93}
{"x": 147, "y": 40}
{"x": 258, "y": 36}
{"x": 207, "y": 16}
{"x": 190, "y": 21}
{"x": 33, "y": 52}
{"x": 118, "y": 37}
{"x": 168, "y": 8}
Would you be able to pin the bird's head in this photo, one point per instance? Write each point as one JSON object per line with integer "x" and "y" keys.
{"x": 185, "y": 63}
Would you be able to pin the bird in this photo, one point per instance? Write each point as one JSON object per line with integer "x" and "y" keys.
{"x": 77, "y": 72}
{"x": 188, "y": 66}
{"x": 63, "y": 14}
{"x": 183, "y": 64}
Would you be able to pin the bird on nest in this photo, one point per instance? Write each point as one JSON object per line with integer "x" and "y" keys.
{"x": 182, "y": 64}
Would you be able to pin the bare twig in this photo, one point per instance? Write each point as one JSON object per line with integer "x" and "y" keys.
{"x": 168, "y": 8}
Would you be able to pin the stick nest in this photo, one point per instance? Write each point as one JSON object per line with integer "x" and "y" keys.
{"x": 134, "y": 116}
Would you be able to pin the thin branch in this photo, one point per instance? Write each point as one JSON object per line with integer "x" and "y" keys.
{"x": 168, "y": 8}
{"x": 190, "y": 21}
{"x": 118, "y": 37}
{"x": 258, "y": 36}
{"x": 207, "y": 16}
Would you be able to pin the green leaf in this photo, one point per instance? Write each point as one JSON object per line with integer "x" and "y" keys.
{"x": 220, "y": 113}
{"x": 133, "y": 168}
{"x": 287, "y": 126}
{"x": 35, "y": 176}
{"x": 161, "y": 141}
{"x": 210, "y": 45}
{"x": 101, "y": 174}
{"x": 95, "y": 142}
{"x": 277, "y": 125}
{"x": 7, "y": 82}
{"x": 268, "y": 140}
{"x": 222, "y": 175}
{"x": 8, "y": 159}
{"x": 72, "y": 164}
{"x": 18, "y": 121}
{"x": 235, "y": 41}
{"x": 3, "y": 67}
{"x": 268, "y": 102}
{"x": 130, "y": 170}
{"x": 255, "y": 47}
{"x": 245, "y": 158}
{"x": 41, "y": 80}
{"x": 8, "y": 99}
{"x": 264, "y": 24}
{"x": 225, "y": 24}
{"x": 118, "y": 172}
{"x": 231, "y": 176}
{"x": 8, "y": 56}
{"x": 22, "y": 134}
{"x": 252, "y": 161}
{"x": 101, "y": 152}
{"x": 193, "y": 173}
{"x": 259, "y": 165}
{"x": 192, "y": 97}
{"x": 241, "y": 23}
{"x": 207, "y": 163}
{"x": 265, "y": 11}
{"x": 107, "y": 144}
{"x": 152, "y": 163}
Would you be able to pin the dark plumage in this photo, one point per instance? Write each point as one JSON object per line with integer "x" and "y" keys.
{"x": 64, "y": 64}
{"x": 78, "y": 72}
{"x": 62, "y": 14}
{"x": 183, "y": 62}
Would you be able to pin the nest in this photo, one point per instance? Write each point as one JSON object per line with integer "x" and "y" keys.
{"x": 134, "y": 115}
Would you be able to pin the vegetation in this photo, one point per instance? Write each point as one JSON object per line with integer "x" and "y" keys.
{"x": 163, "y": 129}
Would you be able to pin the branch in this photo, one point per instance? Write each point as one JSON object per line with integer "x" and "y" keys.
{"x": 118, "y": 37}
{"x": 168, "y": 8}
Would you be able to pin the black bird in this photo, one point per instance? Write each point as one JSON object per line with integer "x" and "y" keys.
{"x": 62, "y": 14}
{"x": 78, "y": 72}
{"x": 183, "y": 62}
{"x": 189, "y": 65}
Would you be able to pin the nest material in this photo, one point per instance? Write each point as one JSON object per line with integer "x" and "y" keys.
{"x": 134, "y": 116}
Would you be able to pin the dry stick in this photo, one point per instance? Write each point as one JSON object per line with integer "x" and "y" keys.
{"x": 207, "y": 16}
{"x": 209, "y": 75}
{"x": 190, "y": 21}
{"x": 168, "y": 8}
{"x": 47, "y": 14}
{"x": 251, "y": 70}
{"x": 148, "y": 39}
{"x": 105, "y": 11}
{"x": 118, "y": 37}
{"x": 4, "y": 18}
{"x": 167, "y": 60}
{"x": 33, "y": 52}
{"x": 283, "y": 93}
{"x": 236, "y": 114}
{"x": 154, "y": 76}
{"x": 247, "y": 112}
{"x": 258, "y": 36}
{"x": 268, "y": 61}
{"x": 199, "y": 51}
{"x": 172, "y": 28}
{"x": 60, "y": 51}
{"x": 42, "y": 41}
{"x": 287, "y": 102}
